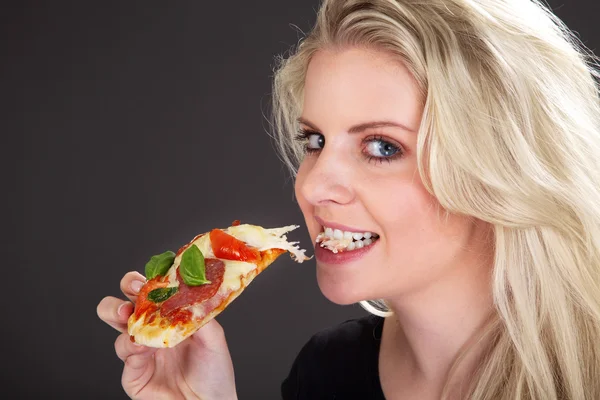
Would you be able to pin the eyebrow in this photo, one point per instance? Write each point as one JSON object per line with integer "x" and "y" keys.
{"x": 363, "y": 126}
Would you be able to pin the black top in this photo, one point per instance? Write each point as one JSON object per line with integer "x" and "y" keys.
{"x": 338, "y": 363}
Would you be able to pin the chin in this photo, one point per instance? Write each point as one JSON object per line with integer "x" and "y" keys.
{"x": 339, "y": 291}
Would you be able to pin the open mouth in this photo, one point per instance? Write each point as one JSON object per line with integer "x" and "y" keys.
{"x": 338, "y": 241}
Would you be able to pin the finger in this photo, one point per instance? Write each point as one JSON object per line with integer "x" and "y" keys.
{"x": 138, "y": 371}
{"x": 211, "y": 336}
{"x": 125, "y": 349}
{"x": 114, "y": 312}
{"x": 131, "y": 284}
{"x": 139, "y": 364}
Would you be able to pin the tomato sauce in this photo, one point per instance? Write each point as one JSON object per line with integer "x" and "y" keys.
{"x": 143, "y": 304}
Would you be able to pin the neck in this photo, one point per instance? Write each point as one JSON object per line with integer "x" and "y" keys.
{"x": 429, "y": 329}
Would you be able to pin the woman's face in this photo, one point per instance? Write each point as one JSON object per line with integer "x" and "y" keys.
{"x": 360, "y": 119}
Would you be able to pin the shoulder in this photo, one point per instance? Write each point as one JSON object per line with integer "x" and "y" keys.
{"x": 348, "y": 334}
{"x": 337, "y": 361}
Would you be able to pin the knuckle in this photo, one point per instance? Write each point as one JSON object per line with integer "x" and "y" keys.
{"x": 125, "y": 280}
{"x": 101, "y": 308}
{"x": 121, "y": 346}
{"x": 117, "y": 347}
{"x": 218, "y": 330}
{"x": 130, "y": 362}
{"x": 128, "y": 277}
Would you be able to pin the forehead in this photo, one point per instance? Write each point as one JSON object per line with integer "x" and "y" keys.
{"x": 358, "y": 85}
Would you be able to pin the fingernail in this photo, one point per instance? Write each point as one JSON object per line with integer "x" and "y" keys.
{"x": 136, "y": 286}
{"x": 120, "y": 309}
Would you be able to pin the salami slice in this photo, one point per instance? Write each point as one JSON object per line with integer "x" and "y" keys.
{"x": 189, "y": 295}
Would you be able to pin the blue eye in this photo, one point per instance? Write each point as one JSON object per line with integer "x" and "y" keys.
{"x": 380, "y": 148}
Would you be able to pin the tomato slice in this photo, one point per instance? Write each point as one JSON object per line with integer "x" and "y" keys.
{"x": 227, "y": 247}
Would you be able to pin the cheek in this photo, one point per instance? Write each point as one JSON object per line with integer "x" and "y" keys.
{"x": 401, "y": 207}
{"x": 418, "y": 234}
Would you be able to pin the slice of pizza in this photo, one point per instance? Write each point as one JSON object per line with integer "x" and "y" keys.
{"x": 187, "y": 289}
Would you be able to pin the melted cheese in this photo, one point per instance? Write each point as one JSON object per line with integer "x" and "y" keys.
{"x": 234, "y": 270}
{"x": 204, "y": 245}
{"x": 335, "y": 245}
{"x": 172, "y": 276}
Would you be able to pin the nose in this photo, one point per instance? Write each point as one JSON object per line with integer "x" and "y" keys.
{"x": 328, "y": 179}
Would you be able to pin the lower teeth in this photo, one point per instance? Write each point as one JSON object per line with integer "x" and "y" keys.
{"x": 336, "y": 247}
{"x": 359, "y": 244}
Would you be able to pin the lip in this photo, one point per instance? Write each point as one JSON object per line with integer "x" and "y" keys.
{"x": 341, "y": 227}
{"x": 328, "y": 257}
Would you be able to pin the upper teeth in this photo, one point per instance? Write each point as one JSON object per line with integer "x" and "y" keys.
{"x": 337, "y": 240}
{"x": 339, "y": 234}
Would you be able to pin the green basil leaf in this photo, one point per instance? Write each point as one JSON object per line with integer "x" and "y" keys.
{"x": 159, "y": 264}
{"x": 161, "y": 294}
{"x": 192, "y": 267}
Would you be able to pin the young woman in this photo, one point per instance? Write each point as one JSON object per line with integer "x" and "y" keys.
{"x": 460, "y": 141}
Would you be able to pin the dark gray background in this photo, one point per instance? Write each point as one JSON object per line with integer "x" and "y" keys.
{"x": 129, "y": 127}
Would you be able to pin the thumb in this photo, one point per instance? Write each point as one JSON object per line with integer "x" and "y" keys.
{"x": 139, "y": 364}
{"x": 210, "y": 337}
{"x": 209, "y": 369}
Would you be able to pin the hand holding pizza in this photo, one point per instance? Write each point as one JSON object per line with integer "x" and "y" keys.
{"x": 171, "y": 345}
{"x": 198, "y": 368}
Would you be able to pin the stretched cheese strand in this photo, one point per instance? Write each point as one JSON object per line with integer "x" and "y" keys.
{"x": 265, "y": 239}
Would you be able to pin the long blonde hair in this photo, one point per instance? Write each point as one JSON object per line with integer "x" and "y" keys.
{"x": 510, "y": 135}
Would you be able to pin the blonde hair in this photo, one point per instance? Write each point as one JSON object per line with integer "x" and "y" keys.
{"x": 509, "y": 135}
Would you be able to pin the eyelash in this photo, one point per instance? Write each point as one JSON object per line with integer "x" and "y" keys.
{"x": 304, "y": 135}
